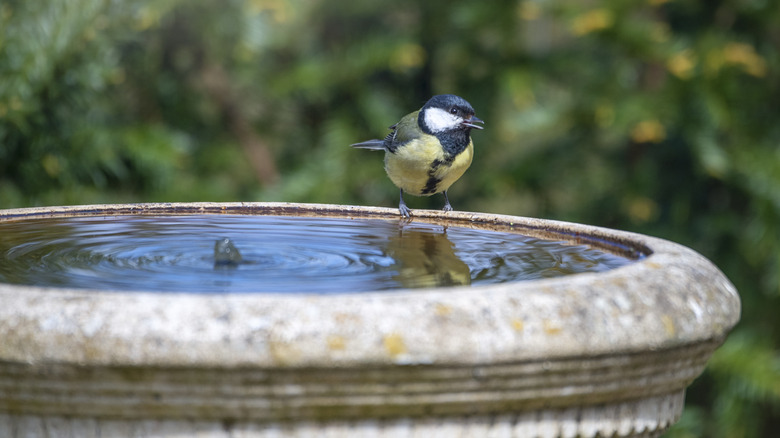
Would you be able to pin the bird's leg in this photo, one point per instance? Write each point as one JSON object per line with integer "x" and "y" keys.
{"x": 447, "y": 206}
{"x": 405, "y": 211}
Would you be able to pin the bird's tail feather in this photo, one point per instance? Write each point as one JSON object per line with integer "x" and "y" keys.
{"x": 374, "y": 145}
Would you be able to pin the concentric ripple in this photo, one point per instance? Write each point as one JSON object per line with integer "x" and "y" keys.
{"x": 279, "y": 254}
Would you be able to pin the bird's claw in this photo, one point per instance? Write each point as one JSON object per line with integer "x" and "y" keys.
{"x": 447, "y": 206}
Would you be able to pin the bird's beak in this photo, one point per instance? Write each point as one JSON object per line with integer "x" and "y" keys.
{"x": 470, "y": 122}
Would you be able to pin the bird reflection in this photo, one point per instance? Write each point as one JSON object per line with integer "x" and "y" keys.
{"x": 426, "y": 258}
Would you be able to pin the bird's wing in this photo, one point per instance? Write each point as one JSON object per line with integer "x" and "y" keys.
{"x": 400, "y": 134}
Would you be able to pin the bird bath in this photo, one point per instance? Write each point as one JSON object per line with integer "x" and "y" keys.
{"x": 607, "y": 350}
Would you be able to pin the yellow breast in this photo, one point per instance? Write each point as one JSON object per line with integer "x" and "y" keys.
{"x": 421, "y": 167}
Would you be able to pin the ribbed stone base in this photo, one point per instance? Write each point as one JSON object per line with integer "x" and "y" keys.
{"x": 645, "y": 418}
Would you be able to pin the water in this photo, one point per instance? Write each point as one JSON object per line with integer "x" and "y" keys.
{"x": 277, "y": 254}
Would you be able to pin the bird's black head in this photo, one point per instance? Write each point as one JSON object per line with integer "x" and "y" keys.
{"x": 447, "y": 112}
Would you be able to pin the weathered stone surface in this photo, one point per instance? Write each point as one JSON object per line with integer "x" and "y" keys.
{"x": 582, "y": 355}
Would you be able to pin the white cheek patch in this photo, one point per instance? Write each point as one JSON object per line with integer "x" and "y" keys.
{"x": 438, "y": 120}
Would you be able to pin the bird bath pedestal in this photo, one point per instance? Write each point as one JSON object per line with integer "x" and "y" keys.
{"x": 586, "y": 355}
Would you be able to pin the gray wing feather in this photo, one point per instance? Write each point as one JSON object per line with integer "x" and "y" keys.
{"x": 388, "y": 144}
{"x": 374, "y": 145}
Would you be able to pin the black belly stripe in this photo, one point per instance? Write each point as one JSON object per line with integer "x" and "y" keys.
{"x": 430, "y": 185}
{"x": 433, "y": 181}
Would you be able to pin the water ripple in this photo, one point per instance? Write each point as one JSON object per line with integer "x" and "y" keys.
{"x": 279, "y": 254}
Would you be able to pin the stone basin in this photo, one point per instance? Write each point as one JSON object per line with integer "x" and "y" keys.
{"x": 585, "y": 355}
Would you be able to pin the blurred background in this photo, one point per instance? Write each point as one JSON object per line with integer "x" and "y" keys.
{"x": 656, "y": 116}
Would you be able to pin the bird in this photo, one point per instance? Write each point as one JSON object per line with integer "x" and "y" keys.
{"x": 429, "y": 149}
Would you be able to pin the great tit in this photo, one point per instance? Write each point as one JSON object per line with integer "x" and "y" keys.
{"x": 429, "y": 149}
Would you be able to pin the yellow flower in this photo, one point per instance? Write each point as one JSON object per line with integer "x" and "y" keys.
{"x": 642, "y": 209}
{"x": 407, "y": 56}
{"x": 147, "y": 17}
{"x": 592, "y": 21}
{"x": 682, "y": 64}
{"x": 529, "y": 10}
{"x": 648, "y": 131}
{"x": 280, "y": 10}
{"x": 745, "y": 55}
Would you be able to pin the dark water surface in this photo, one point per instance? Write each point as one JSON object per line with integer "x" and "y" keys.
{"x": 278, "y": 254}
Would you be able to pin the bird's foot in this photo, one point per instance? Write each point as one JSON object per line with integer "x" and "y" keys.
{"x": 405, "y": 211}
{"x": 447, "y": 206}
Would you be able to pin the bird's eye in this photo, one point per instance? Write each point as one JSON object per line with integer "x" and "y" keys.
{"x": 453, "y": 110}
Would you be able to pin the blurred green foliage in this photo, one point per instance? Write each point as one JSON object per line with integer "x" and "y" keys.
{"x": 659, "y": 117}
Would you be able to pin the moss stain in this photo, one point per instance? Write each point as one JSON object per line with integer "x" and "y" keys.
{"x": 336, "y": 343}
{"x": 394, "y": 344}
{"x": 551, "y": 328}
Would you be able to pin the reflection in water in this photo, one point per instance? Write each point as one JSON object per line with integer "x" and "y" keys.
{"x": 425, "y": 258}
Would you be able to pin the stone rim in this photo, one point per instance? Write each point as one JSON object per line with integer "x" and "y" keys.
{"x": 702, "y": 291}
